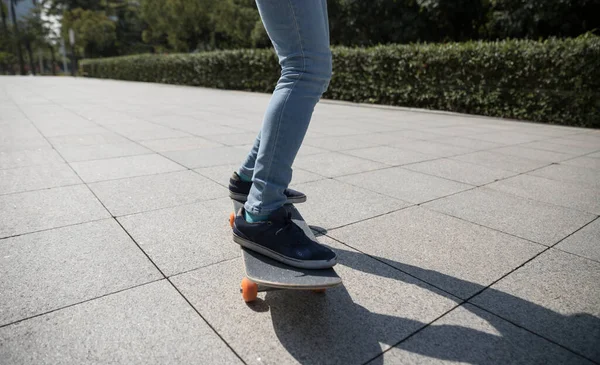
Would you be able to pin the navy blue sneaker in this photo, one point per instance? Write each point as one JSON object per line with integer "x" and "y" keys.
{"x": 239, "y": 190}
{"x": 281, "y": 239}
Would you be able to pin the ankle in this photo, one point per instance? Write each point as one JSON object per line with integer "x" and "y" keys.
{"x": 244, "y": 178}
{"x": 254, "y": 218}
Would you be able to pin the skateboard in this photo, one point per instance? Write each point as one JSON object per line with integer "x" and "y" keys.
{"x": 266, "y": 274}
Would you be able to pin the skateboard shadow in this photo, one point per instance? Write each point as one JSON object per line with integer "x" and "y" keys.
{"x": 318, "y": 231}
{"x": 333, "y": 328}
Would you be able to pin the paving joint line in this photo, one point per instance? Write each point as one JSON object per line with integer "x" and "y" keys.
{"x": 80, "y": 302}
{"x": 533, "y": 333}
{"x": 467, "y": 300}
{"x": 153, "y": 263}
{"x": 206, "y": 266}
{"x": 151, "y": 152}
{"x": 170, "y": 207}
{"x": 57, "y": 227}
{"x": 41, "y": 189}
{"x": 425, "y": 325}
{"x": 178, "y": 291}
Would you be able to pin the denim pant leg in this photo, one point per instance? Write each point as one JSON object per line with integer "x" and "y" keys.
{"x": 299, "y": 31}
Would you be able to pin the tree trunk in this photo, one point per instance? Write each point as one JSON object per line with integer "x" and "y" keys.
{"x": 4, "y": 25}
{"x": 53, "y": 65}
{"x": 31, "y": 64}
{"x": 17, "y": 38}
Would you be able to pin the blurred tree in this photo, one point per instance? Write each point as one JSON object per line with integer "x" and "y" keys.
{"x": 180, "y": 25}
{"x": 235, "y": 21}
{"x": 366, "y": 23}
{"x": 3, "y": 14}
{"x": 542, "y": 18}
{"x": 197, "y": 25}
{"x": 94, "y": 31}
{"x": 454, "y": 20}
{"x": 17, "y": 36}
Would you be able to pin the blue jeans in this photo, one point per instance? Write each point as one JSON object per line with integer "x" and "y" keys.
{"x": 299, "y": 31}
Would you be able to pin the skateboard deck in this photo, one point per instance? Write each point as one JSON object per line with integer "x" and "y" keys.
{"x": 270, "y": 274}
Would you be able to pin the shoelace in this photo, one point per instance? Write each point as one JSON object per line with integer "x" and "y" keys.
{"x": 289, "y": 225}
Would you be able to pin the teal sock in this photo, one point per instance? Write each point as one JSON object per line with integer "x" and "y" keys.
{"x": 254, "y": 218}
{"x": 244, "y": 178}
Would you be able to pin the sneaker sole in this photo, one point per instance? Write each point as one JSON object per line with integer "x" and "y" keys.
{"x": 242, "y": 198}
{"x": 312, "y": 265}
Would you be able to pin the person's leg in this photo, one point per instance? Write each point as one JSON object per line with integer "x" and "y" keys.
{"x": 240, "y": 182}
{"x": 299, "y": 31}
{"x": 246, "y": 171}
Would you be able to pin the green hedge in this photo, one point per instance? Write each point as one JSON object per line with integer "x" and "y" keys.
{"x": 554, "y": 81}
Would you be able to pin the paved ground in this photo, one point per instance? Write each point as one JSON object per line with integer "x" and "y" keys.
{"x": 461, "y": 239}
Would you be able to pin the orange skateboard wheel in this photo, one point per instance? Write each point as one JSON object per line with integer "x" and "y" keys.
{"x": 231, "y": 219}
{"x": 249, "y": 290}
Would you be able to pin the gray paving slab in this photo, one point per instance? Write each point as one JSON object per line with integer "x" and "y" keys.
{"x": 11, "y": 144}
{"x": 469, "y": 335}
{"x": 305, "y": 150}
{"x": 590, "y": 136}
{"x": 146, "y": 131}
{"x": 575, "y": 174}
{"x": 54, "y": 130}
{"x": 594, "y": 155}
{"x": 507, "y": 137}
{"x": 186, "y": 237}
{"x": 501, "y": 161}
{"x": 173, "y": 119}
{"x": 585, "y": 242}
{"x": 74, "y": 153}
{"x": 536, "y": 221}
{"x": 150, "y": 324}
{"x": 333, "y": 203}
{"x": 587, "y": 162}
{"x": 464, "y": 172}
{"x": 139, "y": 194}
{"x": 565, "y": 194}
{"x": 345, "y": 143}
{"x": 335, "y": 164}
{"x": 589, "y": 141}
{"x": 553, "y": 146}
{"x": 548, "y": 130}
{"x": 221, "y": 174}
{"x": 211, "y": 127}
{"x": 26, "y": 158}
{"x": 470, "y": 143}
{"x": 348, "y": 324}
{"x": 233, "y": 139}
{"x": 463, "y": 130}
{"x": 178, "y": 144}
{"x": 368, "y": 125}
{"x": 457, "y": 256}
{"x": 556, "y": 296}
{"x": 532, "y": 153}
{"x": 106, "y": 137}
{"x": 28, "y": 178}
{"x": 339, "y": 130}
{"x": 389, "y": 155}
{"x": 123, "y": 167}
{"x": 207, "y": 157}
{"x": 43, "y": 209}
{"x": 410, "y": 186}
{"x": 52, "y": 269}
{"x": 410, "y": 134}
{"x": 433, "y": 148}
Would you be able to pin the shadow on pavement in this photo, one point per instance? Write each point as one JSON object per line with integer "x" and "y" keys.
{"x": 332, "y": 328}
